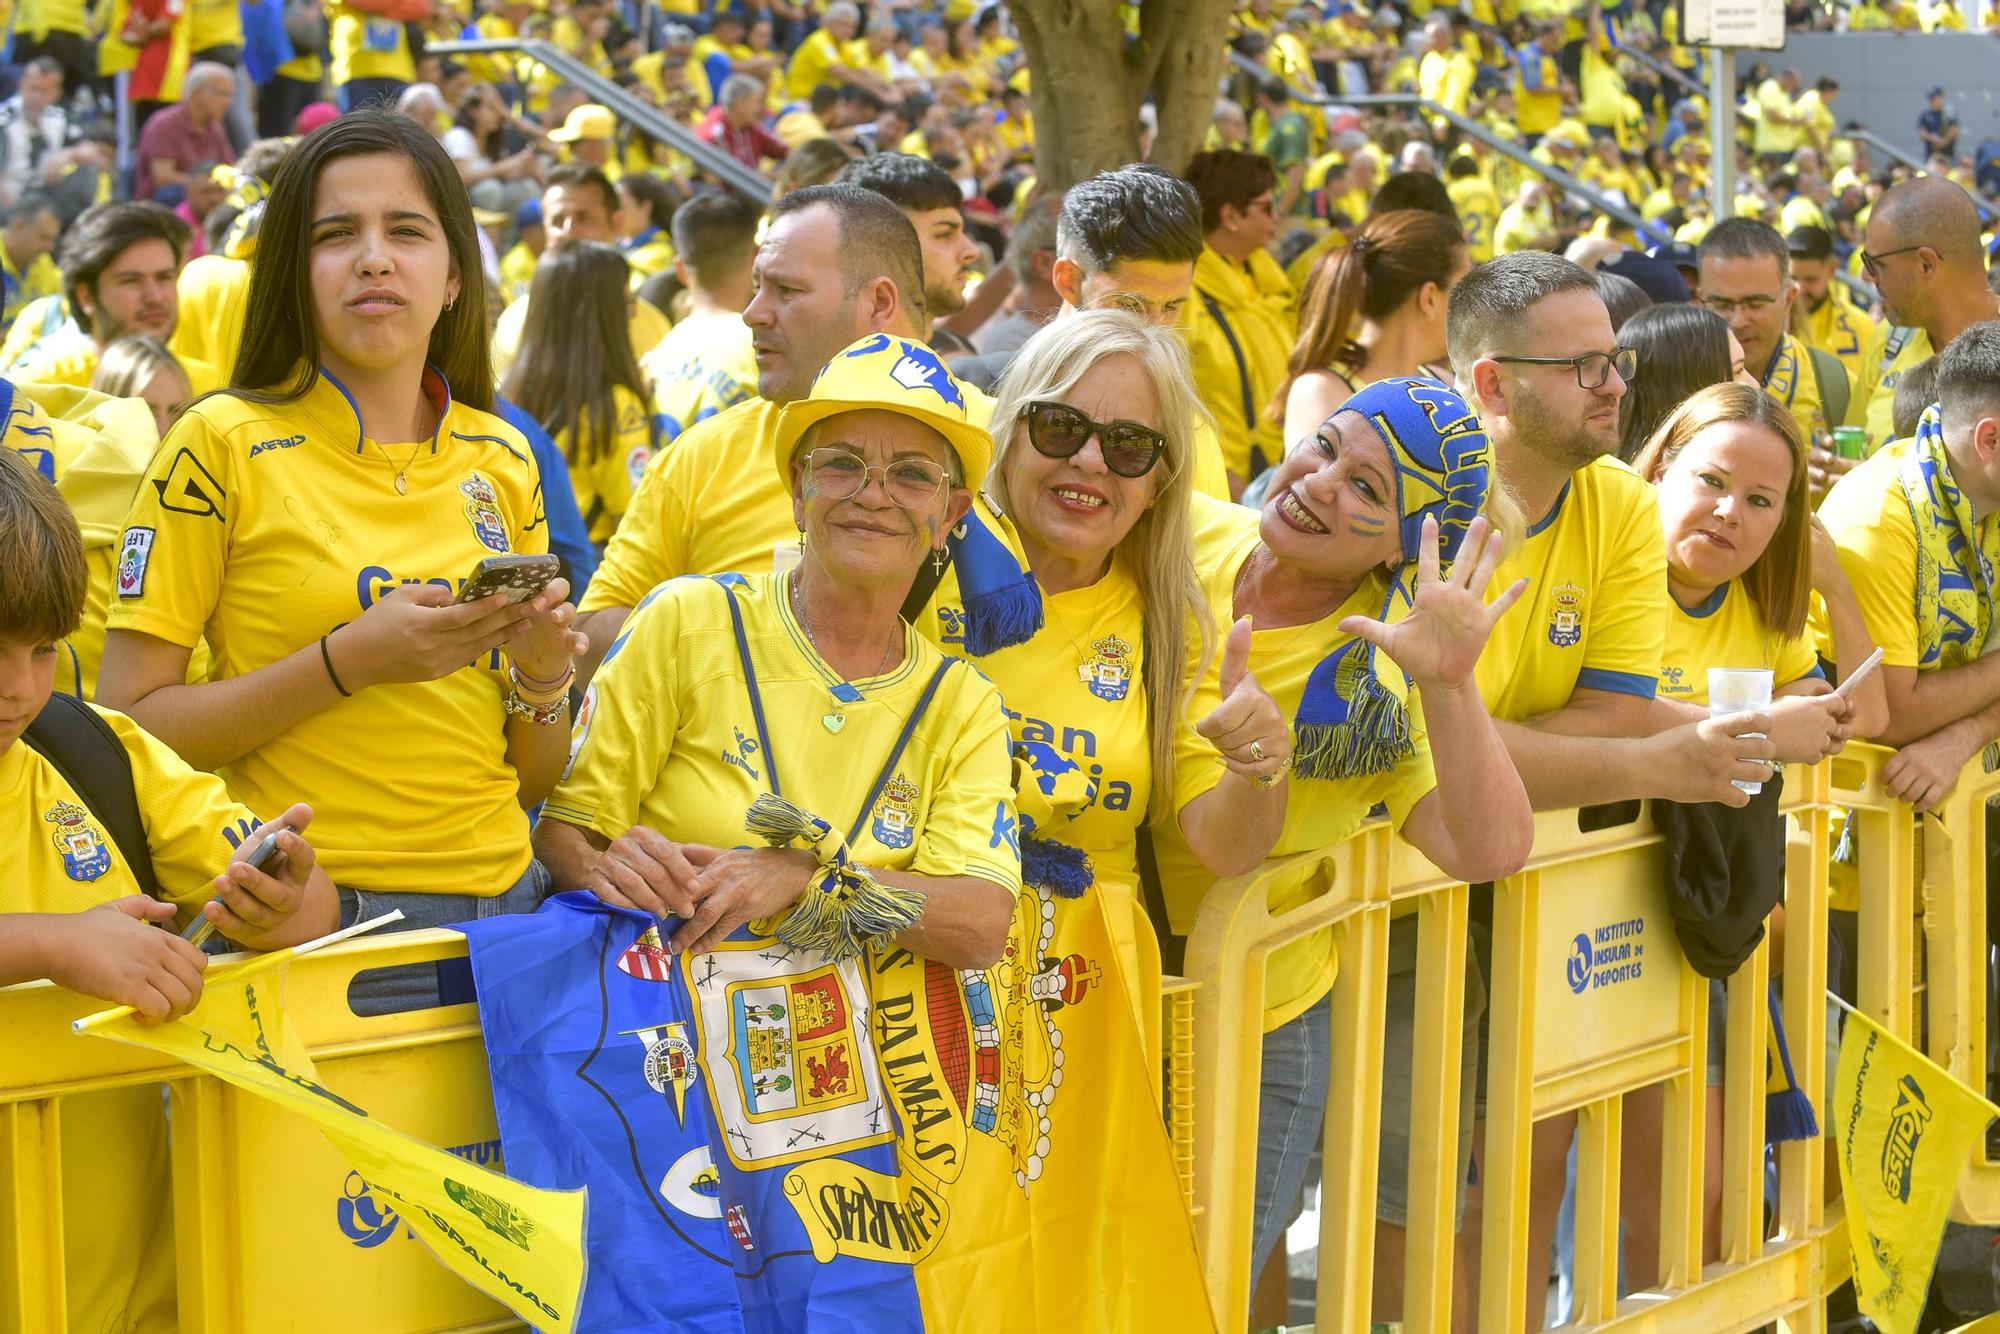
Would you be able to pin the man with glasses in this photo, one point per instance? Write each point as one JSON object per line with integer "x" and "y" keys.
{"x": 1569, "y": 677}
{"x": 1923, "y": 255}
{"x": 1745, "y": 276}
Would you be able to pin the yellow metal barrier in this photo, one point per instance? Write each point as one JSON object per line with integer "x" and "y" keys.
{"x": 1590, "y": 999}
{"x": 272, "y": 1229}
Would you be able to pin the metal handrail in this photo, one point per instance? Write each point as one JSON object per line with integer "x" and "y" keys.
{"x": 628, "y": 107}
{"x": 1556, "y": 175}
{"x": 1876, "y": 141}
{"x": 1665, "y": 70}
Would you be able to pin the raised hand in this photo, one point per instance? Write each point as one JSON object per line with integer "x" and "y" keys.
{"x": 1439, "y": 642}
{"x": 1254, "y": 736}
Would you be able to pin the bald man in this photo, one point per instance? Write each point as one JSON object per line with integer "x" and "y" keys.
{"x": 1922, "y": 252}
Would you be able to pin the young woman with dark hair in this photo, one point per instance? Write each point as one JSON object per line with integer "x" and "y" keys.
{"x": 315, "y": 522}
{"x": 1683, "y": 349}
{"x": 576, "y": 375}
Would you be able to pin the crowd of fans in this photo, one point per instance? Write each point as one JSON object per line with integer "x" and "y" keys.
{"x": 295, "y": 382}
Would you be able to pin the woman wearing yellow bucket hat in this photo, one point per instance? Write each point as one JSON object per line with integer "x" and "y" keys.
{"x": 798, "y": 709}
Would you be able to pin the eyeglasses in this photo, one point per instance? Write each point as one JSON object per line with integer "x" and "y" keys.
{"x": 1727, "y": 306}
{"x": 1592, "y": 368}
{"x": 840, "y": 474}
{"x": 1058, "y": 431}
{"x": 1869, "y": 263}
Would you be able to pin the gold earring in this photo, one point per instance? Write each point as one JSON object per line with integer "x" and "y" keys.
{"x": 802, "y": 541}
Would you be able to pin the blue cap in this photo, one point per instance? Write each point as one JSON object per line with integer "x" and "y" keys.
{"x": 529, "y": 214}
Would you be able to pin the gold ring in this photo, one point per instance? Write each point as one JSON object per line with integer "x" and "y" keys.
{"x": 1257, "y": 750}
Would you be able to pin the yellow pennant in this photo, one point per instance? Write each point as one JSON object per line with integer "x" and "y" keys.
{"x": 1906, "y": 1130}
{"x": 520, "y": 1245}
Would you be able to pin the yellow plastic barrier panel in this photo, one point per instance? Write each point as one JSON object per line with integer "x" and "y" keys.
{"x": 271, "y": 1229}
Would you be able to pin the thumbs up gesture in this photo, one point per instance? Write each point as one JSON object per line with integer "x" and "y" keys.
{"x": 1254, "y": 737}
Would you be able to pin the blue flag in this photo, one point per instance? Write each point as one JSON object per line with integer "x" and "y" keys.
{"x": 726, "y": 1111}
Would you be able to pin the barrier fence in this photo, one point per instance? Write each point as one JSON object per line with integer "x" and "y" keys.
{"x": 1590, "y": 1000}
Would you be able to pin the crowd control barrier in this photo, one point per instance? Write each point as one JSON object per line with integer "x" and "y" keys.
{"x": 1589, "y": 1000}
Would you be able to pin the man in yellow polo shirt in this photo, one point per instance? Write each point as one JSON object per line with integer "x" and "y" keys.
{"x": 838, "y": 263}
{"x": 578, "y": 204}
{"x": 1922, "y": 252}
{"x": 119, "y": 264}
{"x": 1746, "y": 277}
{"x": 1823, "y": 314}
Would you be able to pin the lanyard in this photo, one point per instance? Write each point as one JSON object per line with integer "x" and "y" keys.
{"x": 764, "y": 736}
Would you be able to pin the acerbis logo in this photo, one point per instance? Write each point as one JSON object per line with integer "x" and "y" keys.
{"x": 285, "y": 442}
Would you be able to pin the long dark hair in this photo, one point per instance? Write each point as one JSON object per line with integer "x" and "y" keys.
{"x": 1682, "y": 348}
{"x": 279, "y": 358}
{"x": 576, "y": 347}
{"x": 1388, "y": 263}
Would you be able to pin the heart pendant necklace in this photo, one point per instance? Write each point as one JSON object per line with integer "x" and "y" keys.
{"x": 843, "y": 693}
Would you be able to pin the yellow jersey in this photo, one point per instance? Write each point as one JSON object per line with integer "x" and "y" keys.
{"x": 1537, "y": 90}
{"x": 1240, "y": 328}
{"x": 668, "y": 738}
{"x": 367, "y": 46}
{"x": 811, "y": 64}
{"x": 1595, "y": 612}
{"x": 40, "y": 318}
{"x": 42, "y": 279}
{"x": 644, "y": 322}
{"x": 704, "y": 366}
{"x": 39, "y": 18}
{"x": 604, "y": 485}
{"x": 1839, "y": 328}
{"x": 214, "y": 295}
{"x": 95, "y": 448}
{"x": 1727, "y": 630}
{"x": 213, "y": 23}
{"x": 1876, "y": 535}
{"x": 1892, "y": 350}
{"x": 517, "y": 271}
{"x": 1478, "y": 213}
{"x": 1316, "y": 813}
{"x": 69, "y": 356}
{"x": 650, "y": 252}
{"x": 276, "y": 524}
{"x": 60, "y": 859}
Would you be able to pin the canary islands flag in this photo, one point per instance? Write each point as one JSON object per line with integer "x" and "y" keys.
{"x": 521, "y": 1246}
{"x": 1906, "y": 1131}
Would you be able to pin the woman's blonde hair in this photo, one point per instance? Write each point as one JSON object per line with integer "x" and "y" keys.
{"x": 1160, "y": 547}
{"x": 130, "y": 363}
{"x": 1780, "y": 579}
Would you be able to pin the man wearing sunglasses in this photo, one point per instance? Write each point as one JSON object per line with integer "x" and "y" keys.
{"x": 1922, "y": 253}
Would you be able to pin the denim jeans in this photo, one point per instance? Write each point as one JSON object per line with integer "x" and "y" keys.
{"x": 1291, "y": 1120}
{"x": 415, "y": 986}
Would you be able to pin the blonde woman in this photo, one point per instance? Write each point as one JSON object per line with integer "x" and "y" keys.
{"x": 139, "y": 366}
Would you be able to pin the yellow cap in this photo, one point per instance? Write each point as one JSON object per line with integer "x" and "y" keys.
{"x": 589, "y": 121}
{"x": 888, "y": 374}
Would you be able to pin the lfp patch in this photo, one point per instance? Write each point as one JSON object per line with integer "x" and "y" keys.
{"x": 134, "y": 554}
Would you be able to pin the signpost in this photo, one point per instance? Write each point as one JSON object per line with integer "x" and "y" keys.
{"x": 1724, "y": 27}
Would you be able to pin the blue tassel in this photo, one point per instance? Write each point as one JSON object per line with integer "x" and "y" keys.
{"x": 1788, "y": 1113}
{"x": 1057, "y": 867}
{"x": 1371, "y": 737}
{"x": 1002, "y": 617}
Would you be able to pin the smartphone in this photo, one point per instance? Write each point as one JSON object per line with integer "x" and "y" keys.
{"x": 261, "y": 858}
{"x": 519, "y": 577}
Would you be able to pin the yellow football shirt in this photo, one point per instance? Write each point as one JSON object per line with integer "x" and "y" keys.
{"x": 517, "y": 271}
{"x": 214, "y": 293}
{"x": 1594, "y": 616}
{"x": 1316, "y": 812}
{"x": 42, "y": 279}
{"x": 1892, "y": 350}
{"x": 95, "y": 449}
{"x": 274, "y": 525}
{"x": 1075, "y": 696}
{"x": 644, "y": 322}
{"x": 1239, "y": 326}
{"x": 604, "y": 485}
{"x": 37, "y": 320}
{"x": 1478, "y": 212}
{"x": 70, "y": 357}
{"x": 703, "y": 366}
{"x": 1726, "y": 630}
{"x": 668, "y": 738}
{"x": 816, "y": 55}
{"x": 214, "y": 23}
{"x": 1869, "y": 518}
{"x": 367, "y": 46}
{"x": 1839, "y": 328}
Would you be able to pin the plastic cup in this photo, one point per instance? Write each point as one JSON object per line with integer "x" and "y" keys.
{"x": 1739, "y": 690}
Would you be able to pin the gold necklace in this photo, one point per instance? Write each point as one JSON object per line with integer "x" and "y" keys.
{"x": 836, "y": 719}
{"x": 403, "y": 468}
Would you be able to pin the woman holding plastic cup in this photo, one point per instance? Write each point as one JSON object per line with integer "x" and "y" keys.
{"x": 1745, "y": 555}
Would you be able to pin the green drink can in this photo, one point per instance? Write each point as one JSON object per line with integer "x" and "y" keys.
{"x": 1850, "y": 442}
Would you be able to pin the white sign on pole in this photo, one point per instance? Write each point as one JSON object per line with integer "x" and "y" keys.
{"x": 1757, "y": 24}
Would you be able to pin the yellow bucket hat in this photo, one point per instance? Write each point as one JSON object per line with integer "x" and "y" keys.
{"x": 890, "y": 374}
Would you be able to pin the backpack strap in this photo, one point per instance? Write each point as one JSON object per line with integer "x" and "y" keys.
{"x": 1831, "y": 378}
{"x": 83, "y": 749}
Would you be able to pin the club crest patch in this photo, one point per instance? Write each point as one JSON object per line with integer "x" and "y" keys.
{"x": 84, "y": 853}
{"x": 895, "y": 820}
{"x": 1566, "y": 616}
{"x": 1108, "y": 670}
{"x": 482, "y": 511}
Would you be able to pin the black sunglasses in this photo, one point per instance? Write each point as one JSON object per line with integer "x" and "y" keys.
{"x": 1057, "y": 431}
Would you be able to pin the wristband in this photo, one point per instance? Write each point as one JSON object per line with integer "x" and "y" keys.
{"x": 332, "y": 675}
{"x": 528, "y": 689}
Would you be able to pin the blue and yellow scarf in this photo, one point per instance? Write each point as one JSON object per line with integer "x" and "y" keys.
{"x": 1350, "y": 721}
{"x": 1955, "y": 561}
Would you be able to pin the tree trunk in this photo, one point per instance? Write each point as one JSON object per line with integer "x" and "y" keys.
{"x": 1089, "y": 81}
